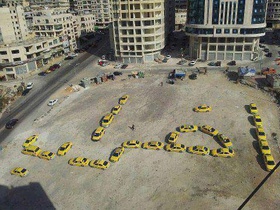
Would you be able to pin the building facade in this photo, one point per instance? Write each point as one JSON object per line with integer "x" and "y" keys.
{"x": 225, "y": 29}
{"x": 180, "y": 14}
{"x": 273, "y": 14}
{"x": 102, "y": 13}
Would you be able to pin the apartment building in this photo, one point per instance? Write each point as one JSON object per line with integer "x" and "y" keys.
{"x": 57, "y": 23}
{"x": 102, "y": 13}
{"x": 40, "y": 4}
{"x": 138, "y": 30}
{"x": 225, "y": 29}
{"x": 180, "y": 14}
{"x": 273, "y": 14}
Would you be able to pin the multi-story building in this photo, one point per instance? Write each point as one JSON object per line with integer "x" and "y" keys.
{"x": 225, "y": 29}
{"x": 273, "y": 14}
{"x": 102, "y": 13}
{"x": 39, "y": 4}
{"x": 57, "y": 23}
{"x": 180, "y": 14}
{"x": 138, "y": 30}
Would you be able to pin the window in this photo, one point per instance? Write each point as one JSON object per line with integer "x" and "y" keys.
{"x": 235, "y": 31}
{"x": 238, "y": 48}
{"x": 229, "y": 48}
{"x": 221, "y": 47}
{"x": 3, "y": 52}
{"x": 226, "y": 31}
{"x": 218, "y": 31}
{"x": 15, "y": 51}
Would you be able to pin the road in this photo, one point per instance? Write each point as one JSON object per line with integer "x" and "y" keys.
{"x": 47, "y": 86}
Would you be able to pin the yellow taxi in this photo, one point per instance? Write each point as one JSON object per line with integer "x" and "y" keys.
{"x": 265, "y": 149}
{"x": 253, "y": 108}
{"x": 131, "y": 144}
{"x": 100, "y": 164}
{"x": 116, "y": 109}
{"x": 202, "y": 108}
{"x": 78, "y": 161}
{"x": 98, "y": 133}
{"x": 261, "y": 134}
{"x": 257, "y": 121}
{"x": 222, "y": 152}
{"x": 188, "y": 128}
{"x": 155, "y": 145}
{"x": 30, "y": 140}
{"x": 225, "y": 140}
{"x": 173, "y": 137}
{"x": 198, "y": 150}
{"x": 123, "y": 99}
{"x": 269, "y": 162}
{"x": 116, "y": 154}
{"x": 175, "y": 147}
{"x": 107, "y": 120}
{"x": 19, "y": 171}
{"x": 31, "y": 150}
{"x": 64, "y": 148}
{"x": 209, "y": 130}
{"x": 46, "y": 155}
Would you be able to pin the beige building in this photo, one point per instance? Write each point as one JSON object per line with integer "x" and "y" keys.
{"x": 273, "y": 14}
{"x": 57, "y": 23}
{"x": 180, "y": 14}
{"x": 225, "y": 30}
{"x": 102, "y": 13}
{"x": 138, "y": 30}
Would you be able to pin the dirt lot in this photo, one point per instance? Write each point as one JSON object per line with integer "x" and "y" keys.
{"x": 145, "y": 179}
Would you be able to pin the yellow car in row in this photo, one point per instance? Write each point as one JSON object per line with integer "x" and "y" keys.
{"x": 155, "y": 145}
{"x": 257, "y": 121}
{"x": 264, "y": 148}
{"x": 107, "y": 120}
{"x": 31, "y": 150}
{"x": 269, "y": 162}
{"x": 79, "y": 161}
{"x": 100, "y": 164}
{"x": 209, "y": 130}
{"x": 222, "y": 152}
{"x": 261, "y": 134}
{"x": 188, "y": 128}
{"x": 175, "y": 147}
{"x": 116, "y": 154}
{"x": 64, "y": 148}
{"x": 29, "y": 141}
{"x": 225, "y": 140}
{"x": 98, "y": 133}
{"x": 46, "y": 155}
{"x": 123, "y": 99}
{"x": 198, "y": 150}
{"x": 19, "y": 171}
{"x": 131, "y": 144}
{"x": 202, "y": 108}
{"x": 116, "y": 109}
{"x": 253, "y": 108}
{"x": 173, "y": 136}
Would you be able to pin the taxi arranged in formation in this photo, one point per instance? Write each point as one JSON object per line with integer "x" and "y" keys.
{"x": 64, "y": 148}
{"x": 116, "y": 154}
{"x": 131, "y": 144}
{"x": 30, "y": 140}
{"x": 261, "y": 134}
{"x": 188, "y": 128}
{"x": 100, "y": 164}
{"x": 155, "y": 145}
{"x": 46, "y": 155}
{"x": 98, "y": 133}
{"x": 222, "y": 152}
{"x": 269, "y": 162}
{"x": 116, "y": 109}
{"x": 198, "y": 150}
{"x": 173, "y": 137}
{"x": 202, "y": 108}
{"x": 123, "y": 99}
{"x": 18, "y": 171}
{"x": 107, "y": 120}
{"x": 225, "y": 140}
{"x": 253, "y": 108}
{"x": 78, "y": 161}
{"x": 257, "y": 121}
{"x": 264, "y": 148}
{"x": 209, "y": 130}
{"x": 175, "y": 147}
{"x": 31, "y": 150}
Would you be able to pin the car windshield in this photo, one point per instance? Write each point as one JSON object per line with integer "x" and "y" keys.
{"x": 212, "y": 129}
{"x": 116, "y": 154}
{"x": 195, "y": 148}
{"x": 253, "y": 107}
{"x": 23, "y": 170}
{"x": 271, "y": 162}
{"x": 258, "y": 120}
{"x": 266, "y": 147}
{"x": 106, "y": 120}
{"x": 262, "y": 133}
{"x": 84, "y": 160}
{"x": 226, "y": 140}
{"x": 27, "y": 141}
{"x": 62, "y": 148}
{"x": 105, "y": 163}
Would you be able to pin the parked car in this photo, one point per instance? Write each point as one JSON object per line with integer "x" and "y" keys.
{"x": 222, "y": 152}
{"x": 155, "y": 145}
{"x": 253, "y": 108}
{"x": 69, "y": 58}
{"x": 19, "y": 171}
{"x": 165, "y": 60}
{"x": 193, "y": 76}
{"x": 192, "y": 63}
{"x": 173, "y": 136}
{"x": 64, "y": 148}
{"x": 46, "y": 155}
{"x": 231, "y": 63}
{"x": 182, "y": 62}
{"x": 124, "y": 66}
{"x": 73, "y": 54}
{"x": 116, "y": 154}
{"x": 266, "y": 50}
{"x": 175, "y": 147}
{"x": 100, "y": 164}
{"x": 79, "y": 161}
{"x": 123, "y": 99}
{"x": 269, "y": 162}
{"x": 30, "y": 140}
{"x": 118, "y": 66}
{"x": 212, "y": 63}
{"x": 269, "y": 54}
{"x": 218, "y": 63}
{"x": 202, "y": 108}
{"x": 98, "y": 133}
{"x": 188, "y": 128}
{"x": 131, "y": 144}
{"x": 168, "y": 56}
{"x": 11, "y": 123}
{"x": 266, "y": 71}
{"x": 52, "y": 102}
{"x": 117, "y": 73}
{"x": 198, "y": 150}
{"x": 209, "y": 130}
{"x": 29, "y": 85}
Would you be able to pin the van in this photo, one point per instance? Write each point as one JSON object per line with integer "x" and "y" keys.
{"x": 31, "y": 150}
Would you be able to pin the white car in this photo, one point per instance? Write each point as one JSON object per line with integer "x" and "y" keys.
{"x": 118, "y": 66}
{"x": 52, "y": 102}
{"x": 73, "y": 54}
{"x": 168, "y": 56}
{"x": 29, "y": 85}
{"x": 192, "y": 63}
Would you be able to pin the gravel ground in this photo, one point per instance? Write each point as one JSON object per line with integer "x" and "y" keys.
{"x": 145, "y": 179}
